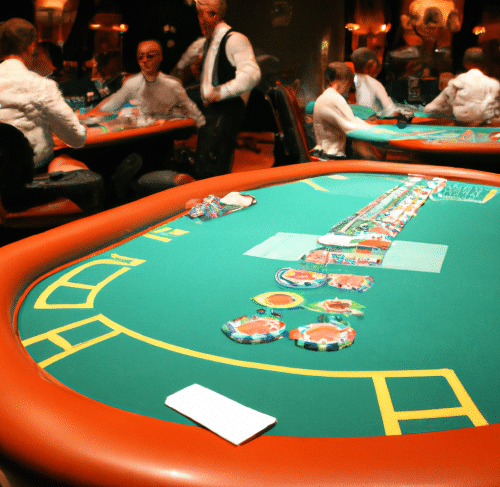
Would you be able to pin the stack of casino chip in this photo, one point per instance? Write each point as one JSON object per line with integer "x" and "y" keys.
{"x": 208, "y": 209}
{"x": 323, "y": 337}
{"x": 257, "y": 329}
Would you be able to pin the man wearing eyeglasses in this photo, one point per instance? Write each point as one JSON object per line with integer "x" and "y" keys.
{"x": 228, "y": 74}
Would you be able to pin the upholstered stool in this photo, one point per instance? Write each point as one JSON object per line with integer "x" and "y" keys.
{"x": 156, "y": 181}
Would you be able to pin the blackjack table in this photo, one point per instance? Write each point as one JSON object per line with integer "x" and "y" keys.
{"x": 105, "y": 318}
{"x": 436, "y": 141}
{"x": 113, "y": 130}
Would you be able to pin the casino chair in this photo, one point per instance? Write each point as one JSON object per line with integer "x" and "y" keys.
{"x": 42, "y": 201}
{"x": 292, "y": 144}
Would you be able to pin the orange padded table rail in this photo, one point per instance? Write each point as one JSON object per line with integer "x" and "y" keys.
{"x": 107, "y": 133}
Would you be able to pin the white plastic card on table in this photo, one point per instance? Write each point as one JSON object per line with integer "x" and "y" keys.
{"x": 225, "y": 417}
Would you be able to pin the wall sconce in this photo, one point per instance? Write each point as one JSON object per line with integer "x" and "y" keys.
{"x": 120, "y": 28}
{"x": 352, "y": 27}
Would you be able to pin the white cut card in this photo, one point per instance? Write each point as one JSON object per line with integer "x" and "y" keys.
{"x": 225, "y": 417}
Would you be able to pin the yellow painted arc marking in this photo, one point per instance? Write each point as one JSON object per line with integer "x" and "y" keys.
{"x": 160, "y": 229}
{"x": 390, "y": 417}
{"x": 41, "y": 302}
{"x": 64, "y": 281}
{"x": 490, "y": 195}
{"x": 238, "y": 363}
{"x": 157, "y": 237}
{"x": 59, "y": 341}
{"x": 78, "y": 285}
{"x": 77, "y": 348}
{"x": 431, "y": 413}
{"x": 314, "y": 185}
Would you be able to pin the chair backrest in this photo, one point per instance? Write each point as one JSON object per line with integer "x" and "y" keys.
{"x": 290, "y": 118}
{"x": 16, "y": 162}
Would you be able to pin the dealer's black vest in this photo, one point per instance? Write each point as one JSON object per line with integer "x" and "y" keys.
{"x": 224, "y": 71}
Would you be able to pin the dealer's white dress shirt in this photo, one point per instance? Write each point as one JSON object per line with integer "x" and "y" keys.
{"x": 240, "y": 54}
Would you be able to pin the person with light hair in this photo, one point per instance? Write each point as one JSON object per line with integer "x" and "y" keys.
{"x": 472, "y": 98}
{"x": 333, "y": 118}
{"x": 370, "y": 92}
{"x": 229, "y": 72}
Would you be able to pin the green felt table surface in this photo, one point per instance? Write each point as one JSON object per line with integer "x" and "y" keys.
{"x": 383, "y": 134}
{"x": 179, "y": 283}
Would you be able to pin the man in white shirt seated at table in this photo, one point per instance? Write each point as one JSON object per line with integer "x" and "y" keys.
{"x": 370, "y": 92}
{"x": 155, "y": 95}
{"x": 472, "y": 98}
{"x": 33, "y": 103}
{"x": 333, "y": 118}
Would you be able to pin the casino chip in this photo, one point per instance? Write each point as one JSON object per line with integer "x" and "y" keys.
{"x": 257, "y": 329}
{"x": 279, "y": 300}
{"x": 338, "y": 306}
{"x": 323, "y": 337}
{"x": 300, "y": 278}
{"x": 350, "y": 282}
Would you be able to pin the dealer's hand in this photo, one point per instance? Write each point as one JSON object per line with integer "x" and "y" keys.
{"x": 214, "y": 96}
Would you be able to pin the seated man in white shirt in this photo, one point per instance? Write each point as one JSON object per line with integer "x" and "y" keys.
{"x": 472, "y": 98}
{"x": 333, "y": 118}
{"x": 370, "y": 92}
{"x": 156, "y": 95}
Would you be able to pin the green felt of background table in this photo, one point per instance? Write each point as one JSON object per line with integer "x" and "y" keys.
{"x": 382, "y": 134}
{"x": 188, "y": 287}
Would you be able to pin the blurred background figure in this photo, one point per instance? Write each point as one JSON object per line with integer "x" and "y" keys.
{"x": 110, "y": 73}
{"x": 42, "y": 63}
{"x": 333, "y": 118}
{"x": 474, "y": 58}
{"x": 370, "y": 92}
{"x": 472, "y": 98}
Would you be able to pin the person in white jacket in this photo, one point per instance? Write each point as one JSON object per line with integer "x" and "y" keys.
{"x": 370, "y": 92}
{"x": 155, "y": 93}
{"x": 30, "y": 102}
{"x": 333, "y": 118}
{"x": 472, "y": 98}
